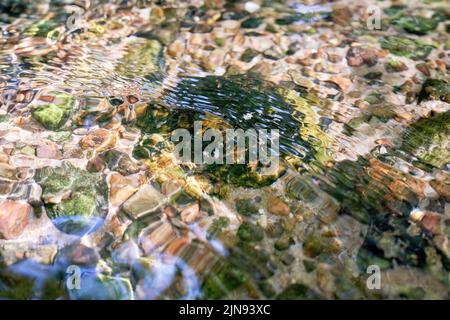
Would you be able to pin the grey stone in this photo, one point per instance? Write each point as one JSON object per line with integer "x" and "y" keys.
{"x": 143, "y": 202}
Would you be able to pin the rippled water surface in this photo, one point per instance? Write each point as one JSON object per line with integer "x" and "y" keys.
{"x": 95, "y": 205}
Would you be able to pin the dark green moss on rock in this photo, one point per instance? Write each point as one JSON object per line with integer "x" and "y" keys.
{"x": 416, "y": 24}
{"x": 435, "y": 89}
{"x": 228, "y": 278}
{"x": 395, "y": 65}
{"x": 54, "y": 115}
{"x": 249, "y": 54}
{"x": 428, "y": 140}
{"x": 394, "y": 10}
{"x": 252, "y": 23}
{"x": 250, "y": 232}
{"x": 406, "y": 47}
{"x": 231, "y": 98}
{"x": 144, "y": 58}
{"x": 218, "y": 225}
{"x": 75, "y": 200}
{"x": 248, "y": 206}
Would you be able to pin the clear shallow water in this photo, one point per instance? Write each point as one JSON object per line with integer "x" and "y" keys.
{"x": 88, "y": 178}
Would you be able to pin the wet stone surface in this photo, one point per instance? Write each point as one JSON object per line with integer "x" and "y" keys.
{"x": 89, "y": 177}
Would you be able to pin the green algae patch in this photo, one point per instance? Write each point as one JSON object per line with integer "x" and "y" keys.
{"x": 53, "y": 116}
{"x": 75, "y": 200}
{"x": 428, "y": 140}
{"x": 15, "y": 286}
{"x": 416, "y": 24}
{"x": 216, "y": 286}
{"x": 80, "y": 203}
{"x": 244, "y": 102}
{"x": 241, "y": 175}
{"x": 394, "y": 10}
{"x": 60, "y": 137}
{"x": 247, "y": 207}
{"x": 302, "y": 17}
{"x": 252, "y": 23}
{"x": 250, "y": 232}
{"x": 321, "y": 143}
{"x": 144, "y": 58}
{"x": 374, "y": 98}
{"x": 245, "y": 265}
{"x": 406, "y": 47}
{"x": 217, "y": 227}
{"x": 395, "y": 65}
{"x": 41, "y": 28}
{"x": 435, "y": 89}
{"x": 248, "y": 102}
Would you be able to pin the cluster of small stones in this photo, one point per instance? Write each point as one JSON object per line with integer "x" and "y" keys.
{"x": 77, "y": 190}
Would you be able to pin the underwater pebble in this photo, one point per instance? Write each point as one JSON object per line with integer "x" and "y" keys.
{"x": 144, "y": 201}
{"x": 251, "y": 6}
{"x": 14, "y": 218}
{"x": 49, "y": 150}
{"x": 277, "y": 206}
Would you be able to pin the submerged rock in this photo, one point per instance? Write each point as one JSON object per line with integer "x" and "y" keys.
{"x": 411, "y": 283}
{"x": 357, "y": 56}
{"x": 77, "y": 254}
{"x": 428, "y": 140}
{"x": 395, "y": 9}
{"x": 28, "y": 280}
{"x": 99, "y": 139}
{"x": 217, "y": 227}
{"x": 228, "y": 278}
{"x": 122, "y": 188}
{"x": 25, "y": 191}
{"x": 114, "y": 160}
{"x": 249, "y": 54}
{"x": 54, "y": 115}
{"x": 442, "y": 188}
{"x": 241, "y": 175}
{"x": 14, "y": 218}
{"x": 435, "y": 89}
{"x": 103, "y": 287}
{"x": 278, "y": 206}
{"x": 250, "y": 232}
{"x": 48, "y": 150}
{"x": 248, "y": 102}
{"x": 245, "y": 265}
{"x": 251, "y": 23}
{"x": 191, "y": 213}
{"x": 75, "y": 200}
{"x": 248, "y": 206}
{"x": 126, "y": 253}
{"x": 143, "y": 202}
{"x": 395, "y": 65}
{"x": 431, "y": 223}
{"x": 306, "y": 17}
{"x": 143, "y": 59}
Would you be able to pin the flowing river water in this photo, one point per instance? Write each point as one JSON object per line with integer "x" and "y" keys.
{"x": 94, "y": 204}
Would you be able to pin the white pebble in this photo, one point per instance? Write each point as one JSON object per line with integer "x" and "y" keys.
{"x": 251, "y": 7}
{"x": 429, "y": 192}
{"x": 416, "y": 214}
